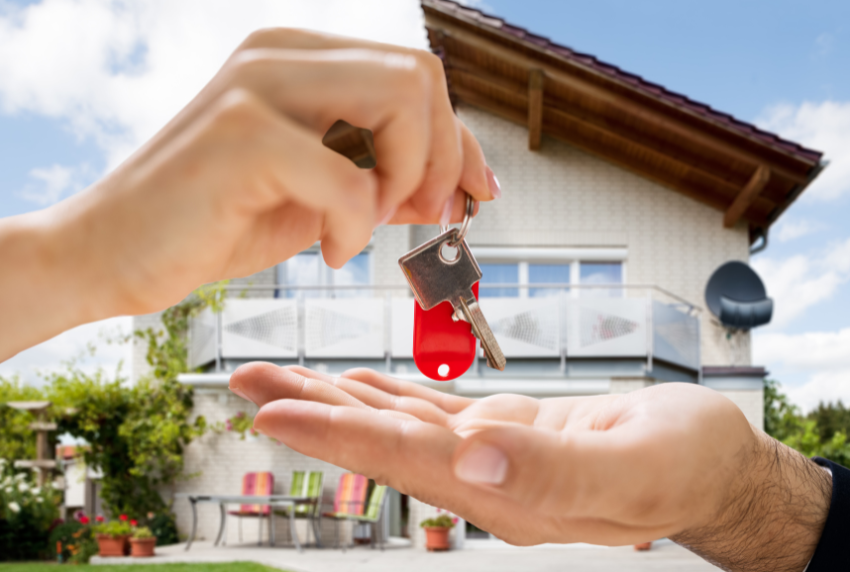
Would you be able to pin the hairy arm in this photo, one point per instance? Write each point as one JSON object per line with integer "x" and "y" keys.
{"x": 774, "y": 515}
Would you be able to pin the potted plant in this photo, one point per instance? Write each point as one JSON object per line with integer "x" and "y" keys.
{"x": 112, "y": 536}
{"x": 142, "y": 542}
{"x": 437, "y": 531}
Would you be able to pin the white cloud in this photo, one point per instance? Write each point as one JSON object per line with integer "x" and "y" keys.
{"x": 48, "y": 356}
{"x": 53, "y": 183}
{"x": 827, "y": 386}
{"x": 823, "y": 126}
{"x": 790, "y": 229}
{"x": 809, "y": 351}
{"x": 116, "y": 71}
{"x": 823, "y": 356}
{"x": 799, "y": 282}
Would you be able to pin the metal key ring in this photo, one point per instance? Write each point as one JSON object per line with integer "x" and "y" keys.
{"x": 467, "y": 220}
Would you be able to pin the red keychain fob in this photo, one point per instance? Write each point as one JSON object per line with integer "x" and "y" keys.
{"x": 443, "y": 349}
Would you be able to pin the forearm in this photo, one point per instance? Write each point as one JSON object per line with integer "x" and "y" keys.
{"x": 46, "y": 284}
{"x": 773, "y": 517}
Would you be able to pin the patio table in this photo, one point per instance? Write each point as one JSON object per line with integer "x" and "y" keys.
{"x": 222, "y": 500}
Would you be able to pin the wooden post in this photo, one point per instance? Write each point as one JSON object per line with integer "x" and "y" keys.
{"x": 535, "y": 108}
{"x": 747, "y": 196}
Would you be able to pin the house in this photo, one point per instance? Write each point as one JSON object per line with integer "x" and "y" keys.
{"x": 619, "y": 196}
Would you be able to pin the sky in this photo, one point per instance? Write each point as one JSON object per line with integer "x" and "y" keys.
{"x": 76, "y": 100}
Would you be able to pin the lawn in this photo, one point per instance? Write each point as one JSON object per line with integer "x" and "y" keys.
{"x": 226, "y": 567}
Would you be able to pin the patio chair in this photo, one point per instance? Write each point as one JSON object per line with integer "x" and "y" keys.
{"x": 306, "y": 484}
{"x": 255, "y": 484}
{"x": 349, "y": 506}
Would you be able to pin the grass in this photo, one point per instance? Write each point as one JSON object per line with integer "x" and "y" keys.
{"x": 225, "y": 567}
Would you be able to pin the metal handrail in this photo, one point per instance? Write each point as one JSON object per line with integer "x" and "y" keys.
{"x": 551, "y": 286}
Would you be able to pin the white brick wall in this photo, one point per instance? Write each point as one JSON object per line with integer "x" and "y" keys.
{"x": 219, "y": 461}
{"x": 561, "y": 196}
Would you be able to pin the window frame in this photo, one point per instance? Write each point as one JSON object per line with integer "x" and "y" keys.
{"x": 523, "y": 256}
{"x": 325, "y": 272}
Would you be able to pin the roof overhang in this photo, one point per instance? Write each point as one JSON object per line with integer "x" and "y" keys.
{"x": 732, "y": 166}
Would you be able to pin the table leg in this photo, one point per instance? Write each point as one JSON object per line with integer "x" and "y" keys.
{"x": 193, "y": 502}
{"x": 222, "y": 518}
{"x": 292, "y": 528}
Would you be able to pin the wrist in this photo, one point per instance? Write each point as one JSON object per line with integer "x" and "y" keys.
{"x": 45, "y": 287}
{"x": 772, "y": 514}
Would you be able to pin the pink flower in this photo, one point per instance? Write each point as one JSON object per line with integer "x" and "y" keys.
{"x": 134, "y": 522}
{"x": 84, "y": 519}
{"x": 454, "y": 520}
{"x": 123, "y": 518}
{"x": 439, "y": 510}
{"x": 98, "y": 518}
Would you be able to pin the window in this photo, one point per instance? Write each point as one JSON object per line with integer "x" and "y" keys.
{"x": 547, "y": 274}
{"x": 601, "y": 273}
{"x": 308, "y": 269}
{"x": 549, "y": 266}
{"x": 499, "y": 274}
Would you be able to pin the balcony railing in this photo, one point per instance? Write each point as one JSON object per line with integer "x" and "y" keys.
{"x": 376, "y": 323}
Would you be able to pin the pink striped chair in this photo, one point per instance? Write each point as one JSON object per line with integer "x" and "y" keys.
{"x": 350, "y": 500}
{"x": 255, "y": 484}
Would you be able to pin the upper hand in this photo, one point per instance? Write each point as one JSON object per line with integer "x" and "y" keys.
{"x": 240, "y": 179}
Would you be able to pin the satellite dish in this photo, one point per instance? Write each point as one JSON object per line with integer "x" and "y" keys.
{"x": 736, "y": 296}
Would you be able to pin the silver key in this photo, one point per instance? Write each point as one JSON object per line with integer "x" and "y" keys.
{"x": 435, "y": 278}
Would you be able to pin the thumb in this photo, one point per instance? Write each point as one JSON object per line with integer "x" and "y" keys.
{"x": 547, "y": 471}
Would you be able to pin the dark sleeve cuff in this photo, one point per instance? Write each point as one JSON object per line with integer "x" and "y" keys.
{"x": 833, "y": 551}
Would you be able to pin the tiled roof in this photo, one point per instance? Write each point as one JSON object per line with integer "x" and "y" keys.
{"x": 634, "y": 81}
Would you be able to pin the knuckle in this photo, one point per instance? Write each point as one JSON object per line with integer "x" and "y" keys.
{"x": 274, "y": 36}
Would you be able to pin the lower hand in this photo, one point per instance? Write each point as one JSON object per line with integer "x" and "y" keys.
{"x": 675, "y": 460}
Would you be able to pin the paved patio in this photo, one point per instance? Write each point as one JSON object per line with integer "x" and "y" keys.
{"x": 665, "y": 556}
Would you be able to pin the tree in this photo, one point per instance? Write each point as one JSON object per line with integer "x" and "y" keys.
{"x": 823, "y": 433}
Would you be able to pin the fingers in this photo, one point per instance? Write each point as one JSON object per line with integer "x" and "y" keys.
{"x": 409, "y": 455}
{"x": 476, "y": 178}
{"x": 448, "y": 143}
{"x": 263, "y": 383}
{"x": 451, "y": 404}
{"x": 288, "y": 164}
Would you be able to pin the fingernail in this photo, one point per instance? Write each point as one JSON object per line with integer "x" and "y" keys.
{"x": 387, "y": 217}
{"x": 238, "y": 392}
{"x": 482, "y": 464}
{"x": 446, "y": 217}
{"x": 493, "y": 183}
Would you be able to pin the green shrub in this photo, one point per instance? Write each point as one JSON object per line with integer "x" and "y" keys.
{"x": 164, "y": 527}
{"x": 27, "y": 513}
{"x": 439, "y": 521}
{"x": 113, "y": 528}
{"x": 142, "y": 532}
{"x": 77, "y": 542}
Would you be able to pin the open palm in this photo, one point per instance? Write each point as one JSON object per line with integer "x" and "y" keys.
{"x": 612, "y": 469}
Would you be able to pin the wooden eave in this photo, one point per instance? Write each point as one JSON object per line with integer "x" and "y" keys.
{"x": 747, "y": 177}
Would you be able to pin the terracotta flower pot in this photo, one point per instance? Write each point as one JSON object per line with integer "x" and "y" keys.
{"x": 142, "y": 547}
{"x": 437, "y": 538}
{"x": 111, "y": 545}
{"x": 643, "y": 546}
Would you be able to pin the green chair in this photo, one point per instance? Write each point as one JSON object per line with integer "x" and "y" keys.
{"x": 306, "y": 484}
{"x": 371, "y": 516}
